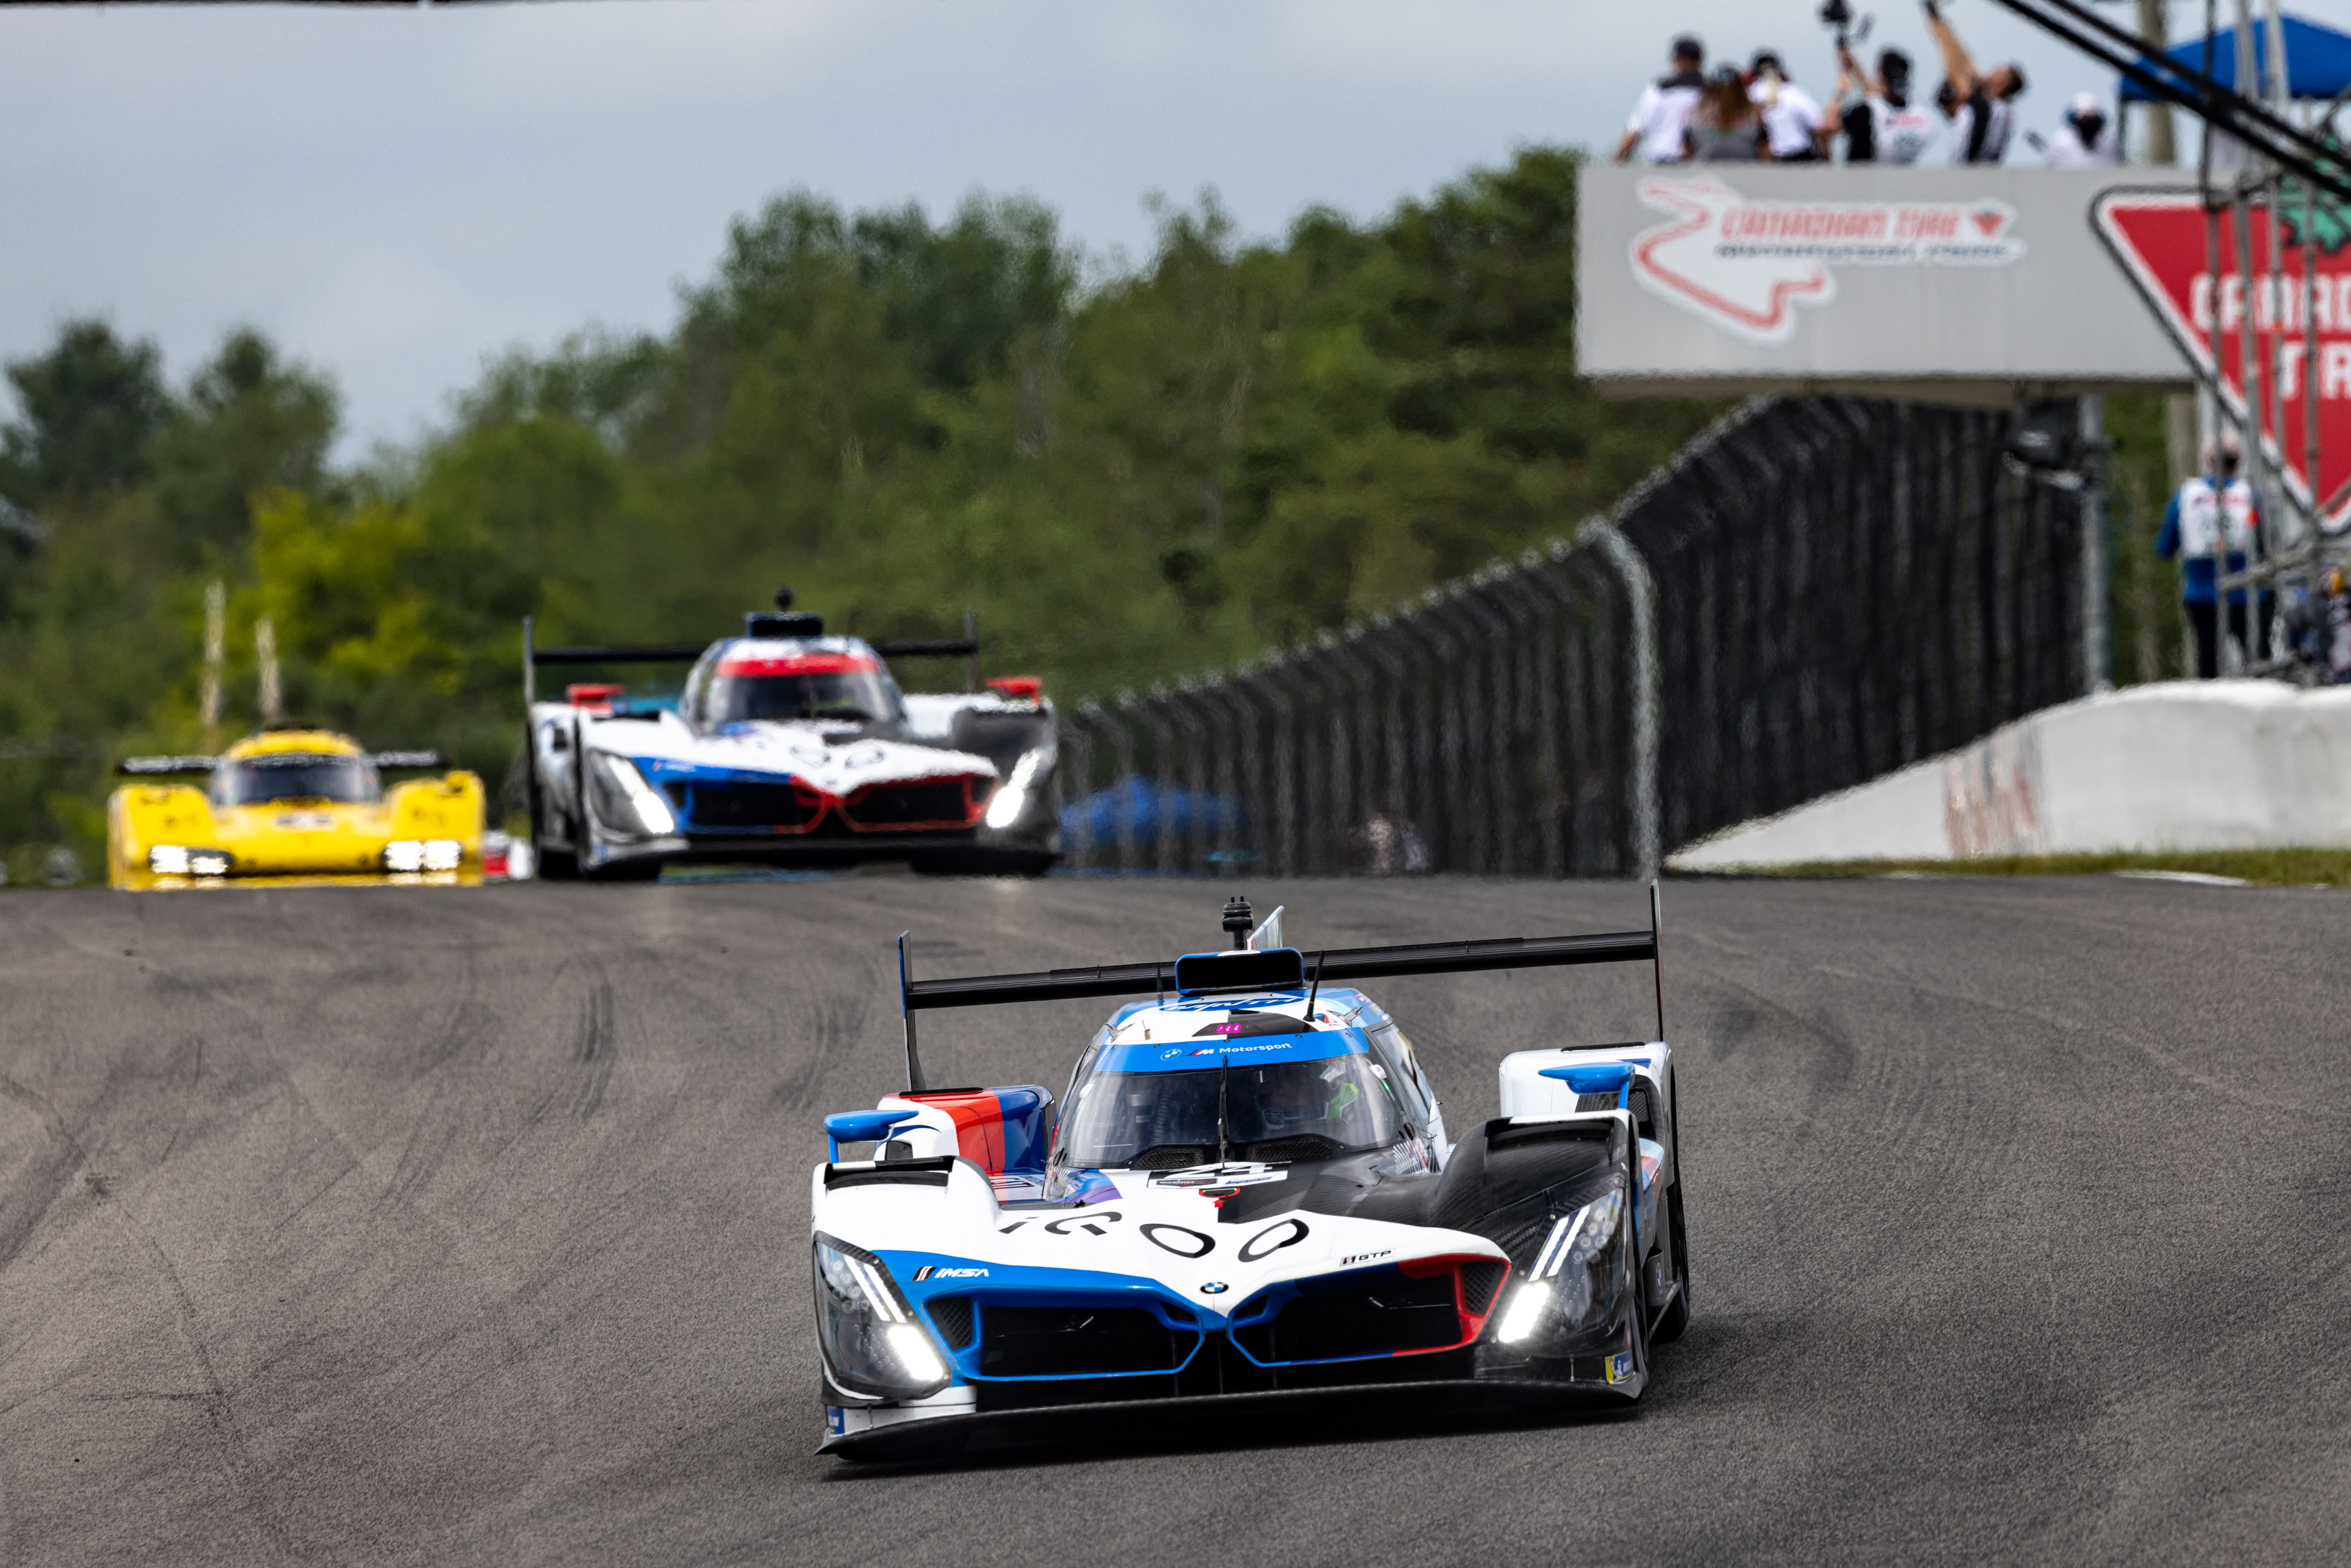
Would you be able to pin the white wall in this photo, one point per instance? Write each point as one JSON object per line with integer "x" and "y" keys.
{"x": 2184, "y": 764}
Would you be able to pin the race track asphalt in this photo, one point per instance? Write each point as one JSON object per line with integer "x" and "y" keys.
{"x": 344, "y": 1225}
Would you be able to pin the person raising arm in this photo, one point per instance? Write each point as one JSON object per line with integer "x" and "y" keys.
{"x": 1983, "y": 103}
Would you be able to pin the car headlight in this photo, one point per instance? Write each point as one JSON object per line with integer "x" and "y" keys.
{"x": 1572, "y": 1281}
{"x": 423, "y": 854}
{"x": 1013, "y": 798}
{"x": 178, "y": 860}
{"x": 623, "y": 799}
{"x": 873, "y": 1345}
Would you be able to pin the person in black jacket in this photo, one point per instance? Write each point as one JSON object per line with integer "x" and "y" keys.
{"x": 1980, "y": 105}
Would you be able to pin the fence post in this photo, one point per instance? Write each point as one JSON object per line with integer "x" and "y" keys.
{"x": 1126, "y": 782}
{"x": 1641, "y": 593}
{"x": 1151, "y": 712}
{"x": 2097, "y": 653}
{"x": 1078, "y": 742}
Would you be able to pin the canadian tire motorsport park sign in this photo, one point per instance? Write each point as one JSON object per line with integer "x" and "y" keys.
{"x": 1974, "y": 284}
{"x": 2164, "y": 240}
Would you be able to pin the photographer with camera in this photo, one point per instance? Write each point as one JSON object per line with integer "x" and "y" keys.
{"x": 1885, "y": 127}
{"x": 1661, "y": 120}
{"x": 1981, "y": 104}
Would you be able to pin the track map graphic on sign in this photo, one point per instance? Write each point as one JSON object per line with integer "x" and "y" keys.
{"x": 2165, "y": 243}
{"x": 1745, "y": 266}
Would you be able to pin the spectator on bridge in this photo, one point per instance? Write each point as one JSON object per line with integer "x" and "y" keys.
{"x": 2085, "y": 141}
{"x": 1660, "y": 122}
{"x": 1794, "y": 127}
{"x": 1726, "y": 126}
{"x": 1885, "y": 126}
{"x": 2213, "y": 506}
{"x": 1981, "y": 105}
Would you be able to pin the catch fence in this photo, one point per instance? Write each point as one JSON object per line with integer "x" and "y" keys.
{"x": 1815, "y": 591}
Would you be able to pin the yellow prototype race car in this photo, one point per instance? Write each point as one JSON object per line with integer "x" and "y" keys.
{"x": 293, "y": 805}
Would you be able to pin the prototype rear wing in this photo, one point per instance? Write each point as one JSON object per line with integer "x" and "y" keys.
{"x": 150, "y": 767}
{"x": 1337, "y": 965}
{"x": 964, "y": 647}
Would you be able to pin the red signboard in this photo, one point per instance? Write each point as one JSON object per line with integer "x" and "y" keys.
{"x": 2164, "y": 242}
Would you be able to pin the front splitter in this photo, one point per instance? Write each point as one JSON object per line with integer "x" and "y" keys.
{"x": 932, "y": 1437}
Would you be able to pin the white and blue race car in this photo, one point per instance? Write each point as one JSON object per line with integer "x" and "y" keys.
{"x": 787, "y": 747}
{"x": 1248, "y": 1189}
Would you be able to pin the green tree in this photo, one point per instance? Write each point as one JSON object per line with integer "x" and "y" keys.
{"x": 251, "y": 423}
{"x": 92, "y": 406}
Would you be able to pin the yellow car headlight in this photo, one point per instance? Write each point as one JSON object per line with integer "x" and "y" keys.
{"x": 423, "y": 854}
{"x": 178, "y": 860}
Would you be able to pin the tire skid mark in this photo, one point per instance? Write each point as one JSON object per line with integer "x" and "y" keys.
{"x": 836, "y": 1024}
{"x": 214, "y": 1398}
{"x": 22, "y": 1209}
{"x": 580, "y": 1089}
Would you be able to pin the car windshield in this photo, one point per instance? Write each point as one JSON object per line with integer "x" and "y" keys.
{"x": 295, "y": 775}
{"x": 1275, "y": 1112}
{"x": 856, "y": 696}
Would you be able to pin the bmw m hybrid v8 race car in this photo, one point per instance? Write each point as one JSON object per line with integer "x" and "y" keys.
{"x": 1248, "y": 1189}
{"x": 789, "y": 748}
{"x": 292, "y": 803}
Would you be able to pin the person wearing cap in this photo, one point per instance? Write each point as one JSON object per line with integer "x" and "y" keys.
{"x": 1660, "y": 122}
{"x": 1793, "y": 126}
{"x": 2086, "y": 141}
{"x": 2214, "y": 509}
{"x": 1980, "y": 105}
{"x": 1885, "y": 126}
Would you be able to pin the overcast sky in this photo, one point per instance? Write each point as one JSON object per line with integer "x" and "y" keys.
{"x": 392, "y": 195}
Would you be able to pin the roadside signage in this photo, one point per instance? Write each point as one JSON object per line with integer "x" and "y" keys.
{"x": 1975, "y": 284}
{"x": 1745, "y": 265}
{"x": 2167, "y": 249}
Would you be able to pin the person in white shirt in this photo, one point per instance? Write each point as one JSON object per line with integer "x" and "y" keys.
{"x": 2085, "y": 141}
{"x": 1981, "y": 105}
{"x": 1885, "y": 127}
{"x": 1793, "y": 121}
{"x": 1660, "y": 122}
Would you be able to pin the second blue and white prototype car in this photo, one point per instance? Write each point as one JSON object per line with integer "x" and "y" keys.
{"x": 787, "y": 747}
{"x": 1246, "y": 1188}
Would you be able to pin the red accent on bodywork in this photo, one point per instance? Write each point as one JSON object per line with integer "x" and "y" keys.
{"x": 1027, "y": 687}
{"x": 798, "y": 664}
{"x": 978, "y": 1117}
{"x": 1472, "y": 1323}
{"x": 976, "y": 791}
{"x": 596, "y": 696}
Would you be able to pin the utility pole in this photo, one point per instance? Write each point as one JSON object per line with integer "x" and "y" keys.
{"x": 2161, "y": 147}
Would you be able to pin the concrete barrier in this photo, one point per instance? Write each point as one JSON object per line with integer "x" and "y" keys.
{"x": 2182, "y": 765}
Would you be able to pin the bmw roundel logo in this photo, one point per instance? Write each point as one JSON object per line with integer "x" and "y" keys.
{"x": 1215, "y": 1288}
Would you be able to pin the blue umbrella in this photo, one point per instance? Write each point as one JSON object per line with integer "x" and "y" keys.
{"x": 2317, "y": 61}
{"x": 1148, "y": 807}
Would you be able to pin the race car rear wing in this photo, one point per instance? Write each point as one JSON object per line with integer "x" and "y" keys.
{"x": 965, "y": 647}
{"x": 388, "y": 761}
{"x": 1336, "y": 965}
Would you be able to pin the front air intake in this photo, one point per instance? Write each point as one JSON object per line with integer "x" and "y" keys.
{"x": 952, "y": 1316}
{"x": 1077, "y": 1342}
{"x": 924, "y": 803}
{"x": 1367, "y": 1313}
